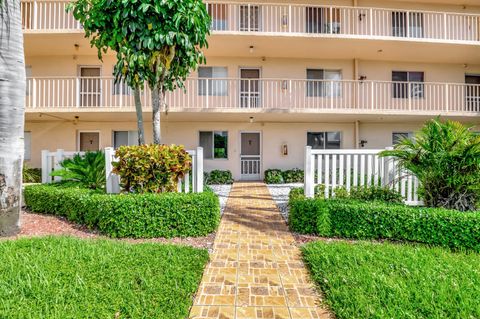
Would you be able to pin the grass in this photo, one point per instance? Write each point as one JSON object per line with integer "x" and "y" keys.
{"x": 63, "y": 277}
{"x": 369, "y": 280}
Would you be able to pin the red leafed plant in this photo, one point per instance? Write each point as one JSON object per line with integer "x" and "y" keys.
{"x": 151, "y": 168}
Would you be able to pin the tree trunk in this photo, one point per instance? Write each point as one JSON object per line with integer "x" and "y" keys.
{"x": 158, "y": 100}
{"x": 139, "y": 111}
{"x": 12, "y": 99}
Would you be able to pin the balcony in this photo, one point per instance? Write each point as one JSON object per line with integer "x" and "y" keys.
{"x": 93, "y": 94}
{"x": 295, "y": 20}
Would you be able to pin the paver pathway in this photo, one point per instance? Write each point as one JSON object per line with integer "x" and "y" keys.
{"x": 256, "y": 270}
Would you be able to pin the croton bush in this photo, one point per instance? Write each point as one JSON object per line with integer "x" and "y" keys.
{"x": 151, "y": 168}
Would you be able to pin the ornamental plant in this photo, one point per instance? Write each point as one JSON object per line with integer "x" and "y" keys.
{"x": 445, "y": 157}
{"x": 151, "y": 168}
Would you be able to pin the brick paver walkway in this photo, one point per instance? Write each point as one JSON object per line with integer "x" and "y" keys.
{"x": 256, "y": 269}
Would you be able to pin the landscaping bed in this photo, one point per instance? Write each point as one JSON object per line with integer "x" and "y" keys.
{"x": 373, "y": 280}
{"x": 64, "y": 277}
{"x": 280, "y": 194}
{"x": 129, "y": 215}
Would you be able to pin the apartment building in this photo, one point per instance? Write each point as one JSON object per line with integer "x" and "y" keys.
{"x": 279, "y": 76}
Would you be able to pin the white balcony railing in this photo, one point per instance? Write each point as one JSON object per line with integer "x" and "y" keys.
{"x": 261, "y": 94}
{"x": 301, "y": 19}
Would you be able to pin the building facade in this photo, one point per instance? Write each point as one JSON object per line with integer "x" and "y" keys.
{"x": 279, "y": 76}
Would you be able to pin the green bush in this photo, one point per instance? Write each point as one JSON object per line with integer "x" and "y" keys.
{"x": 293, "y": 176}
{"x": 445, "y": 157}
{"x": 377, "y": 220}
{"x": 273, "y": 176}
{"x": 87, "y": 170}
{"x": 129, "y": 215}
{"x": 151, "y": 168}
{"x": 31, "y": 175}
{"x": 299, "y": 192}
{"x": 217, "y": 177}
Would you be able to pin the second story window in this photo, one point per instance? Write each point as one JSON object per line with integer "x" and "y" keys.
{"x": 212, "y": 81}
{"x": 414, "y": 21}
{"x": 218, "y": 13}
{"x": 409, "y": 84}
{"x": 397, "y": 137}
{"x": 322, "y": 20}
{"x": 250, "y": 18}
{"x": 324, "y": 83}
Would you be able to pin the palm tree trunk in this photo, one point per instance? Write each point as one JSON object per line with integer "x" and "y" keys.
{"x": 158, "y": 99}
{"x": 139, "y": 111}
{"x": 12, "y": 99}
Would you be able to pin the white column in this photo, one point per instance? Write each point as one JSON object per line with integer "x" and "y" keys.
{"x": 199, "y": 172}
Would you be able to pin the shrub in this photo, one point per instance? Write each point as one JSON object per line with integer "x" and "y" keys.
{"x": 372, "y": 193}
{"x": 151, "y": 168}
{"x": 445, "y": 157}
{"x": 88, "y": 170}
{"x": 273, "y": 176}
{"x": 218, "y": 177}
{"x": 377, "y": 220}
{"x": 299, "y": 192}
{"x": 293, "y": 176}
{"x": 129, "y": 215}
{"x": 31, "y": 175}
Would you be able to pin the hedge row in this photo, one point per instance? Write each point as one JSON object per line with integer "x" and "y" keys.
{"x": 277, "y": 176}
{"x": 129, "y": 215}
{"x": 377, "y": 220}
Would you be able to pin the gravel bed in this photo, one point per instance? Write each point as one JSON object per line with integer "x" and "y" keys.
{"x": 280, "y": 193}
{"x": 222, "y": 192}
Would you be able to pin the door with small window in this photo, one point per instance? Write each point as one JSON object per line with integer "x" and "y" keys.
{"x": 250, "y": 157}
{"x": 250, "y": 88}
{"x": 90, "y": 90}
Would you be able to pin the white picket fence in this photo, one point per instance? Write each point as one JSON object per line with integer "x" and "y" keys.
{"x": 192, "y": 182}
{"x": 351, "y": 168}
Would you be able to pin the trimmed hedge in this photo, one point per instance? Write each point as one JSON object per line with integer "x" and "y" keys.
{"x": 218, "y": 177}
{"x": 129, "y": 215}
{"x": 377, "y": 220}
{"x": 277, "y": 176}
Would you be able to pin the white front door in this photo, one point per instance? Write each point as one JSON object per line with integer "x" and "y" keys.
{"x": 250, "y": 157}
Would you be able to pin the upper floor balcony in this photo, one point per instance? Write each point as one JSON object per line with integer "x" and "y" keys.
{"x": 299, "y": 20}
{"x": 101, "y": 94}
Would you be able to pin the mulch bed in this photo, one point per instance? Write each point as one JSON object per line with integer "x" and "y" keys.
{"x": 37, "y": 225}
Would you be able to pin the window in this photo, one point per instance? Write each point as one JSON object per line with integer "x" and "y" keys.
{"x": 207, "y": 85}
{"x": 27, "y": 145}
{"x": 249, "y": 18}
{"x": 322, "y": 20}
{"x": 324, "y": 83}
{"x": 410, "y": 84}
{"x": 324, "y": 140}
{"x": 121, "y": 88}
{"x": 125, "y": 138}
{"x": 218, "y": 14}
{"x": 414, "y": 20}
{"x": 215, "y": 144}
{"x": 397, "y": 137}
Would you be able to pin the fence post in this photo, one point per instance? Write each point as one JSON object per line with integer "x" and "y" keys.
{"x": 199, "y": 172}
{"x": 112, "y": 180}
{"x": 45, "y": 172}
{"x": 58, "y": 159}
{"x": 309, "y": 175}
{"x": 389, "y": 170}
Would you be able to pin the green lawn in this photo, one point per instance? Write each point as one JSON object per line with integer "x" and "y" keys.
{"x": 62, "y": 277}
{"x": 367, "y": 280}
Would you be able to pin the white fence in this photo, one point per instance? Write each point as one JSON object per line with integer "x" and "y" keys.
{"x": 351, "y": 168}
{"x": 227, "y": 93}
{"x": 192, "y": 182}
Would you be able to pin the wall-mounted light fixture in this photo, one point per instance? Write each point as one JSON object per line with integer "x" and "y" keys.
{"x": 362, "y": 143}
{"x": 251, "y": 119}
{"x": 284, "y": 149}
{"x": 362, "y": 78}
{"x": 251, "y": 49}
